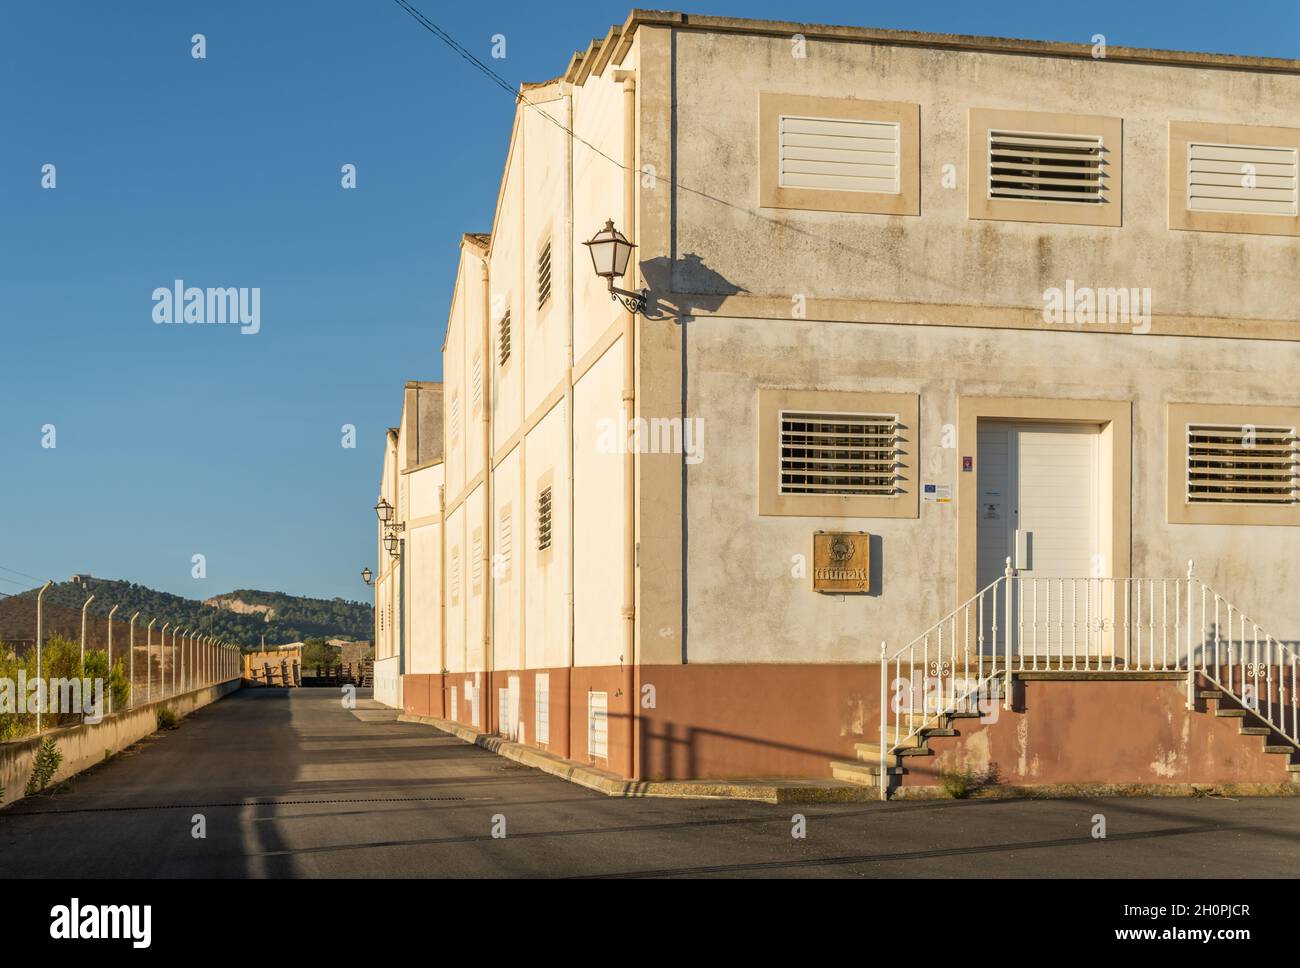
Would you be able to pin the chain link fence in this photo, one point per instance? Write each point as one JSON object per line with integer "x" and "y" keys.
{"x": 124, "y": 660}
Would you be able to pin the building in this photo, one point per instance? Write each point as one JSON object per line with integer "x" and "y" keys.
{"x": 408, "y": 628}
{"x": 961, "y": 345}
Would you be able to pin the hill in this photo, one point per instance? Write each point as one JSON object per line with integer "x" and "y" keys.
{"x": 243, "y": 616}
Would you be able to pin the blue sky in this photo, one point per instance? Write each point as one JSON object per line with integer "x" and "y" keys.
{"x": 174, "y": 441}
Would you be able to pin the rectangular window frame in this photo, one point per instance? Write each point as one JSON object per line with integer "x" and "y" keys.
{"x": 772, "y": 106}
{"x": 980, "y": 205}
{"x": 771, "y": 403}
{"x": 1179, "y": 509}
{"x": 1181, "y": 218}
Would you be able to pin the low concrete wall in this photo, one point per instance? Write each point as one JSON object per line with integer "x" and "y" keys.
{"x": 84, "y": 746}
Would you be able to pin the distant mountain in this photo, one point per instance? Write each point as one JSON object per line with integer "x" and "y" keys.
{"x": 243, "y": 616}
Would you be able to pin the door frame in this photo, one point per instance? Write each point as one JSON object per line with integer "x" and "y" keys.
{"x": 1115, "y": 457}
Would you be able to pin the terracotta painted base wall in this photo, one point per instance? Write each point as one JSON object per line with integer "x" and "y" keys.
{"x": 718, "y": 721}
{"x": 1102, "y": 732}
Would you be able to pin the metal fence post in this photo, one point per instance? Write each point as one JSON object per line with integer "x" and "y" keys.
{"x": 40, "y": 633}
{"x": 148, "y": 663}
{"x": 111, "y": 612}
{"x": 83, "y": 632}
{"x": 130, "y": 662}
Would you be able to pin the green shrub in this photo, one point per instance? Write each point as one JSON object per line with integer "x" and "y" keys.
{"x": 116, "y": 683}
{"x": 167, "y": 718}
{"x": 960, "y": 784}
{"x": 44, "y": 766}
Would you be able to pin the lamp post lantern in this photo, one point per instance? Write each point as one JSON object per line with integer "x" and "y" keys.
{"x": 610, "y": 253}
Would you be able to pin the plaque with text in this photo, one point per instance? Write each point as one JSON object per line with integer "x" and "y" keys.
{"x": 841, "y": 561}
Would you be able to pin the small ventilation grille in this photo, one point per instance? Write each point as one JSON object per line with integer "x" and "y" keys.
{"x": 505, "y": 544}
{"x": 544, "y": 519}
{"x": 840, "y": 453}
{"x": 854, "y": 156}
{"x": 1032, "y": 166}
{"x": 455, "y": 576}
{"x": 476, "y": 566}
{"x": 455, "y": 704}
{"x": 598, "y": 725}
{"x": 542, "y": 688}
{"x": 476, "y": 383}
{"x": 503, "y": 340}
{"x": 453, "y": 418}
{"x": 1232, "y": 178}
{"x": 544, "y": 274}
{"x": 1232, "y": 464}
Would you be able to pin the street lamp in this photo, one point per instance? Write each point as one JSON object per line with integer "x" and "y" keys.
{"x": 384, "y": 511}
{"x": 367, "y": 575}
{"x": 390, "y": 543}
{"x": 610, "y": 252}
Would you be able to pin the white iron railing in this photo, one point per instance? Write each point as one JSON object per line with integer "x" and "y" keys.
{"x": 1130, "y": 626}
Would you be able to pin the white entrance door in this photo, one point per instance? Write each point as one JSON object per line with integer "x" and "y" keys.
{"x": 1039, "y": 505}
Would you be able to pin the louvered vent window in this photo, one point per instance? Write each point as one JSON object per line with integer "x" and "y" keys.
{"x": 544, "y": 519}
{"x": 598, "y": 725}
{"x": 854, "y": 156}
{"x": 455, "y": 576}
{"x": 839, "y": 453}
{"x": 543, "y": 720}
{"x": 504, "y": 547}
{"x": 476, "y": 383}
{"x": 476, "y": 566}
{"x": 503, "y": 341}
{"x": 1232, "y": 178}
{"x": 1231, "y": 464}
{"x": 453, "y": 418}
{"x": 1033, "y": 166}
{"x": 455, "y": 703}
{"x": 544, "y": 274}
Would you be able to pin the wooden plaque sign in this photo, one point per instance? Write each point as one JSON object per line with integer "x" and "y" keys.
{"x": 841, "y": 561}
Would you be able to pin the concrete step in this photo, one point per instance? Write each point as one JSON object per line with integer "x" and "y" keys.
{"x": 870, "y": 753}
{"x": 1281, "y": 749}
{"x": 1230, "y": 713}
{"x": 1255, "y": 731}
{"x": 867, "y": 774}
{"x": 1209, "y": 694}
{"x": 1293, "y": 767}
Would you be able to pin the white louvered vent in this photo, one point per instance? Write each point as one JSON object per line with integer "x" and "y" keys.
{"x": 503, "y": 341}
{"x": 503, "y": 713}
{"x": 840, "y": 155}
{"x": 505, "y": 546}
{"x": 455, "y": 576}
{"x": 1045, "y": 167}
{"x": 544, "y": 519}
{"x": 455, "y": 704}
{"x": 542, "y": 689}
{"x": 476, "y": 566}
{"x": 476, "y": 383}
{"x": 1232, "y": 464}
{"x": 840, "y": 453}
{"x": 453, "y": 420}
{"x": 1235, "y": 178}
{"x": 544, "y": 274}
{"x": 598, "y": 725}
{"x": 474, "y": 694}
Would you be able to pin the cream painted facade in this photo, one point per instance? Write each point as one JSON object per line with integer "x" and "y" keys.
{"x": 936, "y": 299}
{"x": 408, "y": 605}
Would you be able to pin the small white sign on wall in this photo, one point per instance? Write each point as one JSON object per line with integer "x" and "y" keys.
{"x": 936, "y": 493}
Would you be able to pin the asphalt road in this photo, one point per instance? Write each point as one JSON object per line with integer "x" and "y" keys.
{"x": 294, "y": 785}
